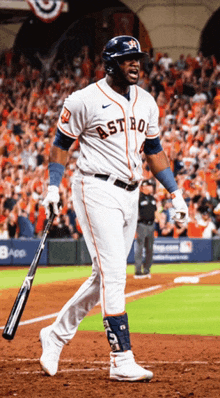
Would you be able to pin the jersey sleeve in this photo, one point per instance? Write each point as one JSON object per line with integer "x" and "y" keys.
{"x": 72, "y": 117}
{"x": 153, "y": 127}
{"x": 152, "y": 146}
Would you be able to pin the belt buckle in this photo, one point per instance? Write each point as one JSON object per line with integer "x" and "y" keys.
{"x": 131, "y": 187}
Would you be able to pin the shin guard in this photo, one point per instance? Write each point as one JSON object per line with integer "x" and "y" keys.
{"x": 117, "y": 332}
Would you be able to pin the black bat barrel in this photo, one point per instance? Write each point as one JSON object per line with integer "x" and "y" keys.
{"x": 22, "y": 296}
{"x": 16, "y": 313}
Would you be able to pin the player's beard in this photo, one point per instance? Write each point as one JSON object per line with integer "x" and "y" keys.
{"x": 129, "y": 78}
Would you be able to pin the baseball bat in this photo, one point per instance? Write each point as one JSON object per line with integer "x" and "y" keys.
{"x": 22, "y": 296}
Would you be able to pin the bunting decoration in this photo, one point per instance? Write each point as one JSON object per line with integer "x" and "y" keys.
{"x": 46, "y": 10}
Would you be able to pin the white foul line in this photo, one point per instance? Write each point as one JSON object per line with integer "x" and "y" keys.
{"x": 45, "y": 317}
{"x": 95, "y": 362}
{"x": 105, "y": 365}
{"x": 209, "y": 274}
{"x": 131, "y": 294}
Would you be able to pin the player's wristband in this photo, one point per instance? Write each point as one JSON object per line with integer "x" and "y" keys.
{"x": 166, "y": 178}
{"x": 56, "y": 171}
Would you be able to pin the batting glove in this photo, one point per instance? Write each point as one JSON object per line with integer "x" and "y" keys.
{"x": 51, "y": 200}
{"x": 180, "y": 206}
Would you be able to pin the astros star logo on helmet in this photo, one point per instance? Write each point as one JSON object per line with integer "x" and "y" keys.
{"x": 132, "y": 44}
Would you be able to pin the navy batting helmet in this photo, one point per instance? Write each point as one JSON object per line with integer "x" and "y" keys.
{"x": 120, "y": 46}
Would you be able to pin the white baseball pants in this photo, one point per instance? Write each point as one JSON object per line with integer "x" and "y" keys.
{"x": 108, "y": 218}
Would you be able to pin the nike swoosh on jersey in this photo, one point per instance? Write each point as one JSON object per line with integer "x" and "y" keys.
{"x": 105, "y": 106}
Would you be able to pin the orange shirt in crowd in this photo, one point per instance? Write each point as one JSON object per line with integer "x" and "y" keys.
{"x": 178, "y": 86}
{"x": 177, "y": 146}
{"x": 87, "y": 67}
{"x": 209, "y": 178}
{"x": 195, "y": 230}
{"x": 32, "y": 211}
{"x": 5, "y": 114}
{"x": 216, "y": 99}
{"x": 40, "y": 220}
{"x": 167, "y": 147}
{"x": 175, "y": 232}
{"x": 99, "y": 72}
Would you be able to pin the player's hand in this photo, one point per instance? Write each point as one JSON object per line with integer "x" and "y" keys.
{"x": 51, "y": 200}
{"x": 180, "y": 207}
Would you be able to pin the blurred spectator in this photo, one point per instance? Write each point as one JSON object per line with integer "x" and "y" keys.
{"x": 194, "y": 229}
{"x": 12, "y": 225}
{"x": 60, "y": 229}
{"x": 99, "y": 70}
{"x": 87, "y": 65}
{"x": 181, "y": 63}
{"x": 165, "y": 61}
{"x": 178, "y": 164}
{"x": 166, "y": 226}
{"x": 72, "y": 215}
{"x": 209, "y": 227}
{"x": 180, "y": 230}
{"x": 4, "y": 230}
{"x": 199, "y": 96}
{"x": 25, "y": 228}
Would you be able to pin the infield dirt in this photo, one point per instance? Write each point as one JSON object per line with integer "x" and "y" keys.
{"x": 183, "y": 366}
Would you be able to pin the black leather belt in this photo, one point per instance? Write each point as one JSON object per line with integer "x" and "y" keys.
{"x": 118, "y": 183}
{"x": 149, "y": 222}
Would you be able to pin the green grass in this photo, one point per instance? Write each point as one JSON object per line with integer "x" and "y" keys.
{"x": 13, "y": 278}
{"x": 186, "y": 310}
{"x": 180, "y": 267}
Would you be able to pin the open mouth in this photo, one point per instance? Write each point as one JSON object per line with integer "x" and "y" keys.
{"x": 133, "y": 73}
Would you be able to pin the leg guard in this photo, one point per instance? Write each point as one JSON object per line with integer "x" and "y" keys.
{"x": 117, "y": 331}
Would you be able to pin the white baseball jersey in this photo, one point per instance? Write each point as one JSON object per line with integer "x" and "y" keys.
{"x": 111, "y": 129}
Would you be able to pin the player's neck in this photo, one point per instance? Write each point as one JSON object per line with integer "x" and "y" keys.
{"x": 120, "y": 87}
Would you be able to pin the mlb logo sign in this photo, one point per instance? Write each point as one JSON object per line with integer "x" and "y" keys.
{"x": 186, "y": 246}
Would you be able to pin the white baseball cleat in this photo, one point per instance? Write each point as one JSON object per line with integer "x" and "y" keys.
{"x": 124, "y": 368}
{"x": 50, "y": 352}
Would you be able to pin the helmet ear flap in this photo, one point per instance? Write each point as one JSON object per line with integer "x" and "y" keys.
{"x": 110, "y": 63}
{"x": 109, "y": 68}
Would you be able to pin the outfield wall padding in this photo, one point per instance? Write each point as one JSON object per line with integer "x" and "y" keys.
{"x": 62, "y": 252}
{"x": 75, "y": 252}
{"x": 216, "y": 249}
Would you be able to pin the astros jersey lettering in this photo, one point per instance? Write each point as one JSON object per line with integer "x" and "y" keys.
{"x": 111, "y": 129}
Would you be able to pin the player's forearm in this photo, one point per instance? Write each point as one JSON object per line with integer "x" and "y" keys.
{"x": 157, "y": 162}
{"x": 160, "y": 168}
{"x": 58, "y": 159}
{"x": 58, "y": 155}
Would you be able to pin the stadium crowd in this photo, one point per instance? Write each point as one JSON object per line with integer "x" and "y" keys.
{"x": 188, "y": 96}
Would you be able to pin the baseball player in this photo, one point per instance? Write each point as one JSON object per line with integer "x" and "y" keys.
{"x": 114, "y": 120}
